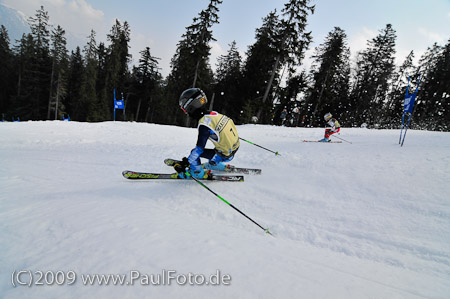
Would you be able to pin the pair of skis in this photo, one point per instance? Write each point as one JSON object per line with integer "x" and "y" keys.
{"x": 134, "y": 175}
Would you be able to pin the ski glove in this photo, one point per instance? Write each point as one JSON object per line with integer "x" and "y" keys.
{"x": 182, "y": 165}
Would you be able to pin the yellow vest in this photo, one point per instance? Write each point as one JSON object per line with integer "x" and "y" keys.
{"x": 226, "y": 139}
{"x": 334, "y": 123}
{"x": 337, "y": 124}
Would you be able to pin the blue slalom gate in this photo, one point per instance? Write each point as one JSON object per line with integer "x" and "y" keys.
{"x": 408, "y": 106}
{"x": 120, "y": 104}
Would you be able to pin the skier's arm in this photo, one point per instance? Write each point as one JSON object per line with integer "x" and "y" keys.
{"x": 203, "y": 135}
{"x": 334, "y": 124}
{"x": 331, "y": 124}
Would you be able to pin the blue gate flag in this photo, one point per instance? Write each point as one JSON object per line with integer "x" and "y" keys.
{"x": 119, "y": 104}
{"x": 408, "y": 105}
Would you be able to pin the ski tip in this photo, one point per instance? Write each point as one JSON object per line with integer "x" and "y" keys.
{"x": 169, "y": 162}
{"x": 127, "y": 174}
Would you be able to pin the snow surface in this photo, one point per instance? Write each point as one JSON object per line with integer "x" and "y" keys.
{"x": 364, "y": 220}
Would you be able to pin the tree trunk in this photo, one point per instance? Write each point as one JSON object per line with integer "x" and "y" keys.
{"x": 320, "y": 99}
{"x": 51, "y": 90}
{"x": 212, "y": 102}
{"x": 274, "y": 70}
{"x": 57, "y": 96}
{"x": 138, "y": 108}
{"x": 269, "y": 85}
{"x": 196, "y": 73}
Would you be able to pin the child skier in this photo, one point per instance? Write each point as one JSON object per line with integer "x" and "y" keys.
{"x": 334, "y": 124}
{"x": 214, "y": 126}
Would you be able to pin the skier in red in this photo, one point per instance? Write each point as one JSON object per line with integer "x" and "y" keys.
{"x": 335, "y": 127}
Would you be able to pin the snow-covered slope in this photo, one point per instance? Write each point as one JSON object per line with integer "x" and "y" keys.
{"x": 364, "y": 220}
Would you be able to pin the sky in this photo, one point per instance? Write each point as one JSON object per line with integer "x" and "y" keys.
{"x": 160, "y": 24}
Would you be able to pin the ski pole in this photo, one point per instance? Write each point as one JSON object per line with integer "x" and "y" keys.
{"x": 341, "y": 139}
{"x": 276, "y": 153}
{"x": 266, "y": 230}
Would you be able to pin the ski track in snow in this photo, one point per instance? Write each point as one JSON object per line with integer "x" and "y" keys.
{"x": 364, "y": 220}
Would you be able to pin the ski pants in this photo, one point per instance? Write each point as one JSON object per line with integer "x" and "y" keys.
{"x": 329, "y": 132}
{"x": 213, "y": 157}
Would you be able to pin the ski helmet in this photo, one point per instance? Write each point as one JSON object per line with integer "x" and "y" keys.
{"x": 327, "y": 116}
{"x": 192, "y": 99}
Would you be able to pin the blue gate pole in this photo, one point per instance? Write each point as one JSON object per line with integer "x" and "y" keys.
{"x": 401, "y": 130}
{"x": 403, "y": 118}
{"x": 410, "y": 114}
{"x": 123, "y": 101}
{"x": 406, "y": 129}
{"x": 114, "y": 104}
{"x": 418, "y": 82}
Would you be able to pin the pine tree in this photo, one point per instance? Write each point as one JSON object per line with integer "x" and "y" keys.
{"x": 375, "y": 67}
{"x": 147, "y": 81}
{"x": 7, "y": 74}
{"x": 116, "y": 67}
{"x": 258, "y": 67}
{"x": 432, "y": 104}
{"x": 292, "y": 42}
{"x": 393, "y": 109}
{"x": 202, "y": 35}
{"x": 289, "y": 99}
{"x": 39, "y": 68}
{"x": 102, "y": 72}
{"x": 74, "y": 100}
{"x": 331, "y": 73}
{"x": 23, "y": 54}
{"x": 90, "y": 79}
{"x": 443, "y": 110}
{"x": 227, "y": 97}
{"x": 190, "y": 64}
{"x": 59, "y": 68}
{"x": 39, "y": 28}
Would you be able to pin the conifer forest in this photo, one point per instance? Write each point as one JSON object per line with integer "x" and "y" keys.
{"x": 40, "y": 79}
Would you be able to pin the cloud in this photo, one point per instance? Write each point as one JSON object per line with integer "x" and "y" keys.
{"x": 358, "y": 41}
{"x": 138, "y": 43}
{"x": 56, "y": 2}
{"x": 82, "y": 8}
{"x": 77, "y": 16}
{"x": 216, "y": 52}
{"x": 431, "y": 36}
